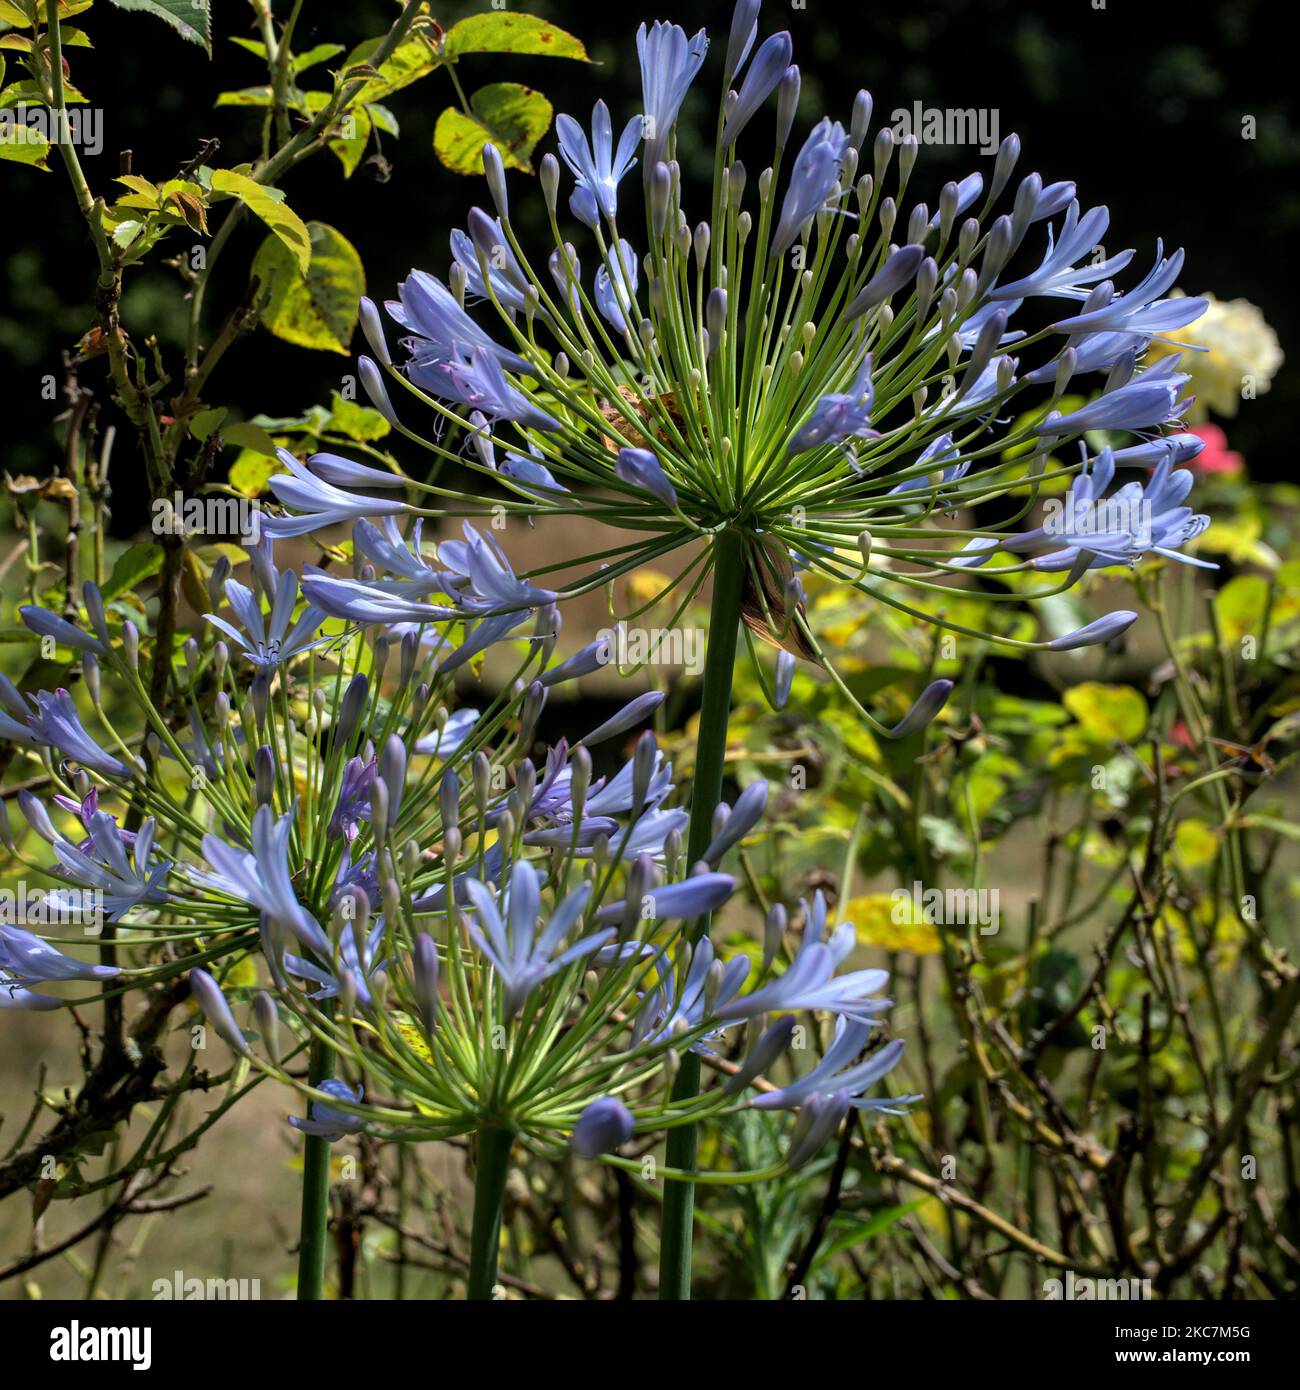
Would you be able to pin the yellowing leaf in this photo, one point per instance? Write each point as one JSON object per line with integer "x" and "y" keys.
{"x": 269, "y": 205}
{"x": 1241, "y": 604}
{"x": 1239, "y": 539}
{"x": 513, "y": 117}
{"x": 891, "y": 922}
{"x": 1195, "y": 843}
{"x": 22, "y": 145}
{"x": 412, "y": 59}
{"x": 1108, "y": 712}
{"x": 250, "y": 471}
{"x": 645, "y": 585}
{"x": 318, "y": 308}
{"x": 498, "y": 32}
{"x": 359, "y": 422}
{"x": 413, "y": 1037}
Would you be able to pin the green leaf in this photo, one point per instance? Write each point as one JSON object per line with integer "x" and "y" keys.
{"x": 319, "y": 309}
{"x": 498, "y": 32}
{"x": 411, "y": 60}
{"x": 269, "y": 205}
{"x": 358, "y": 422}
{"x": 21, "y": 145}
{"x": 383, "y": 119}
{"x": 190, "y": 18}
{"x": 864, "y": 1230}
{"x": 133, "y": 567}
{"x": 321, "y": 53}
{"x": 354, "y": 135}
{"x": 206, "y": 421}
{"x": 1111, "y": 713}
{"x": 126, "y": 232}
{"x": 513, "y": 117}
{"x": 244, "y": 435}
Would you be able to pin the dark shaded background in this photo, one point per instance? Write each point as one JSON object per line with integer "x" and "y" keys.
{"x": 1142, "y": 104}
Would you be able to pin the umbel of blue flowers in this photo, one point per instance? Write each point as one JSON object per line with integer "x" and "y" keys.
{"x": 464, "y": 936}
{"x": 814, "y": 367}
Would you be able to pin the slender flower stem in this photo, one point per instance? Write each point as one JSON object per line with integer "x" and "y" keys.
{"x": 489, "y": 1193}
{"x": 314, "y": 1227}
{"x": 710, "y": 761}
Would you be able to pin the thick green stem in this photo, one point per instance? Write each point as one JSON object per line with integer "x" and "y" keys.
{"x": 710, "y": 763}
{"x": 314, "y": 1227}
{"x": 493, "y": 1164}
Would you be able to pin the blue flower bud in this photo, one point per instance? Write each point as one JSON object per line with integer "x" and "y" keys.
{"x": 928, "y": 704}
{"x": 496, "y": 178}
{"x": 268, "y": 1024}
{"x": 208, "y": 996}
{"x": 642, "y": 469}
{"x": 628, "y": 717}
{"x": 425, "y": 973}
{"x": 1102, "y": 630}
{"x": 765, "y": 1051}
{"x": 392, "y": 768}
{"x": 548, "y": 175}
{"x": 373, "y": 382}
{"x": 605, "y": 1125}
{"x": 373, "y": 328}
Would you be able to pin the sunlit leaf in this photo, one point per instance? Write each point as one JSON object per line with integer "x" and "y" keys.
{"x": 133, "y": 567}
{"x": 317, "y": 309}
{"x": 269, "y": 205}
{"x": 1112, "y": 713}
{"x": 499, "y": 32}
{"x": 190, "y": 18}
{"x": 892, "y": 923}
{"x": 1195, "y": 843}
{"x": 513, "y": 117}
{"x": 250, "y": 471}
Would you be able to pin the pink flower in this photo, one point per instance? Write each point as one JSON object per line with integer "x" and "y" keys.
{"x": 1216, "y": 457}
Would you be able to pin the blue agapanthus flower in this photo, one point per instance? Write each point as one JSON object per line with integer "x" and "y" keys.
{"x": 26, "y": 959}
{"x": 837, "y": 1075}
{"x": 115, "y": 863}
{"x": 328, "y": 1121}
{"x": 272, "y": 643}
{"x": 260, "y": 877}
{"x": 669, "y": 62}
{"x": 1137, "y": 519}
{"x": 506, "y": 932}
{"x": 597, "y": 166}
{"x": 57, "y": 725}
{"x": 319, "y": 503}
{"x": 811, "y": 981}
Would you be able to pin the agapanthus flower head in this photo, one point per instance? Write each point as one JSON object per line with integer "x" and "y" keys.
{"x": 332, "y": 1122}
{"x": 115, "y": 863}
{"x": 825, "y": 355}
